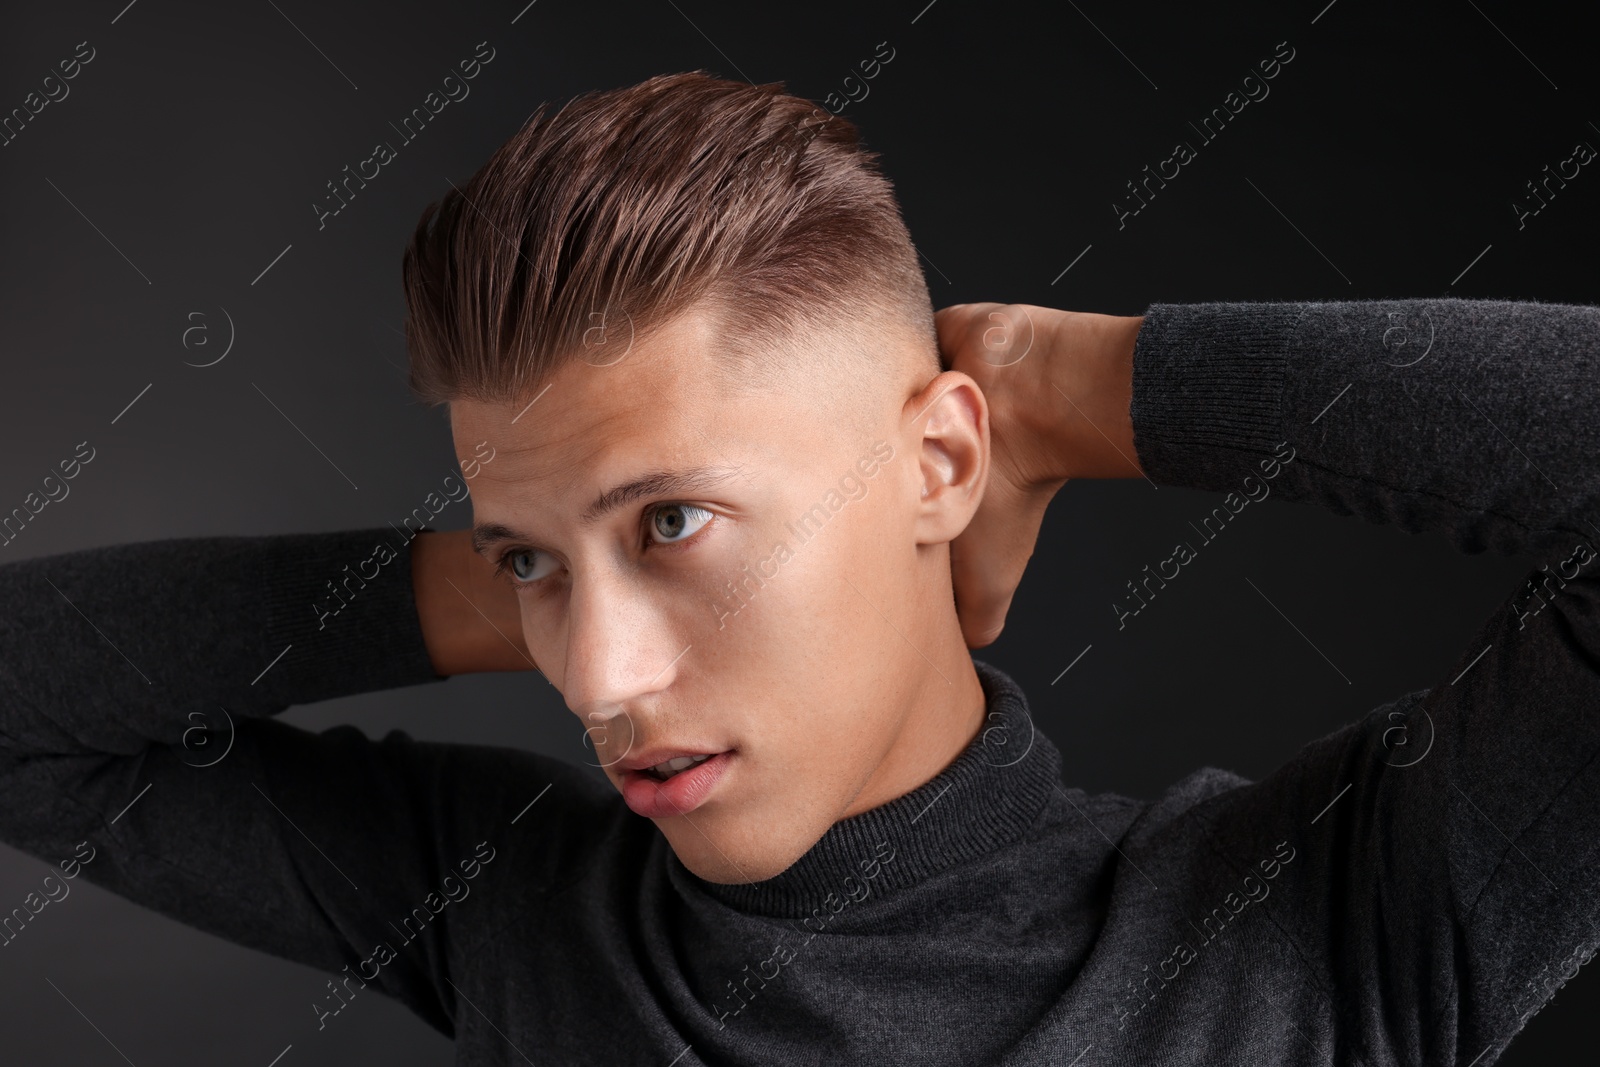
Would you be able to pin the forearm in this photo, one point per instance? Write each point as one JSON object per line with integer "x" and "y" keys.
{"x": 1473, "y": 418}
{"x": 1100, "y": 418}
{"x": 108, "y": 650}
{"x": 471, "y": 622}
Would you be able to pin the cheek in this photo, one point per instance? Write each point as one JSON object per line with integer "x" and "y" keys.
{"x": 777, "y": 599}
{"x": 540, "y": 637}
{"x": 775, "y": 631}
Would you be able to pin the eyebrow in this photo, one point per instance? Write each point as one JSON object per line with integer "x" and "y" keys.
{"x": 486, "y": 535}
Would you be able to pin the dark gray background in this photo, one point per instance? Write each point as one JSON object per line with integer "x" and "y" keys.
{"x": 188, "y": 154}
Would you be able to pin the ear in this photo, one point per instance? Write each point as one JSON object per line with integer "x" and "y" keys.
{"x": 952, "y": 418}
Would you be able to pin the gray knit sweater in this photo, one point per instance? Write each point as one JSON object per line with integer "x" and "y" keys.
{"x": 1406, "y": 890}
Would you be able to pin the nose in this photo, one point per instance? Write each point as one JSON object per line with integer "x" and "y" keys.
{"x": 621, "y": 650}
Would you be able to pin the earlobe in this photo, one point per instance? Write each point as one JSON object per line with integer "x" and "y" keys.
{"x": 953, "y": 457}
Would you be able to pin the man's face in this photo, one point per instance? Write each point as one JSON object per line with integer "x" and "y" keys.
{"x": 768, "y": 616}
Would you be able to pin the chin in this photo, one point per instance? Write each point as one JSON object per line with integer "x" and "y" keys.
{"x": 725, "y": 862}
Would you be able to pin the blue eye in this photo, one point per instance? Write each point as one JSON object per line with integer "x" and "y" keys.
{"x": 676, "y": 522}
{"x": 524, "y": 564}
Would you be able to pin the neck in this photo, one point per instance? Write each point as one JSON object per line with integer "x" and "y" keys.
{"x": 988, "y": 798}
{"x": 947, "y": 709}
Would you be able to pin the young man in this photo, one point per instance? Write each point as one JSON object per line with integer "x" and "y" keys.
{"x": 727, "y": 498}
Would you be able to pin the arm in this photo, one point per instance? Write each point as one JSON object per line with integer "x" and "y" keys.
{"x": 1447, "y": 841}
{"x": 1472, "y": 418}
{"x": 1443, "y": 889}
{"x": 305, "y": 845}
{"x": 470, "y": 621}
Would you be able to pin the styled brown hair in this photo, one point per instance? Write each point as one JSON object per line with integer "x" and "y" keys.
{"x": 626, "y": 206}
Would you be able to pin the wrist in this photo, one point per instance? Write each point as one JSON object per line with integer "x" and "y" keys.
{"x": 471, "y": 622}
{"x": 1116, "y": 394}
{"x": 1090, "y": 393}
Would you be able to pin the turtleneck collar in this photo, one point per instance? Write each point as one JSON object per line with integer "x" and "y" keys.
{"x": 986, "y": 798}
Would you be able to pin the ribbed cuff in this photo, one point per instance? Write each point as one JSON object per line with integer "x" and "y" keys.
{"x": 1208, "y": 386}
{"x": 342, "y": 612}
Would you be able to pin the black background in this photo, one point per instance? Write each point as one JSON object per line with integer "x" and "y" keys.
{"x": 188, "y": 154}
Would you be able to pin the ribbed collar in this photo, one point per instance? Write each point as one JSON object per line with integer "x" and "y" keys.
{"x": 986, "y": 798}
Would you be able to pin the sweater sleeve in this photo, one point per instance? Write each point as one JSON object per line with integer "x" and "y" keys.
{"x": 1447, "y": 877}
{"x": 138, "y": 749}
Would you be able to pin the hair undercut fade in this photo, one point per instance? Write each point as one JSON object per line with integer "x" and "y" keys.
{"x": 627, "y": 206}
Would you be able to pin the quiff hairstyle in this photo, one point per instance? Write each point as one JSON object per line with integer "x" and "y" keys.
{"x": 627, "y": 206}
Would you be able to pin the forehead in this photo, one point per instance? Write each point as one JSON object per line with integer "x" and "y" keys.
{"x": 667, "y": 402}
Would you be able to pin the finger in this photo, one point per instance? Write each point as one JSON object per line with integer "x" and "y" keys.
{"x": 954, "y": 323}
{"x": 985, "y": 577}
{"x": 988, "y": 559}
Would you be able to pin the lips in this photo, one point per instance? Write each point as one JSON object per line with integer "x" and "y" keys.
{"x": 649, "y": 796}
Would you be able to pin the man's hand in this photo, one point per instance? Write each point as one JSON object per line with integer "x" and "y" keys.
{"x": 470, "y": 620}
{"x": 1059, "y": 385}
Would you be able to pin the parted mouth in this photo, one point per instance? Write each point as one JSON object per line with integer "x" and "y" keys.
{"x": 663, "y": 763}
{"x": 671, "y": 767}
